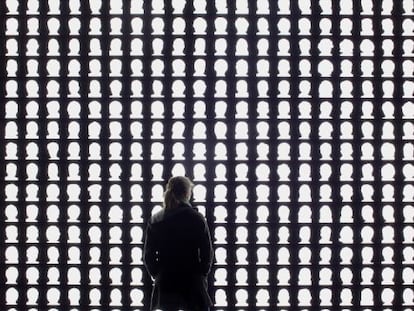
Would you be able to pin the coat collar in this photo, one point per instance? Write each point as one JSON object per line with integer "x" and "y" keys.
{"x": 168, "y": 212}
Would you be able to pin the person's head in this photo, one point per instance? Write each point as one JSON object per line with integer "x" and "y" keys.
{"x": 178, "y": 190}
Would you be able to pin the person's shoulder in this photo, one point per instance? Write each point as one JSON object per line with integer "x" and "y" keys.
{"x": 197, "y": 213}
{"x": 158, "y": 216}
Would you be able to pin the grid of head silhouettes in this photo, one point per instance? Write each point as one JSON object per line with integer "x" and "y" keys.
{"x": 294, "y": 119}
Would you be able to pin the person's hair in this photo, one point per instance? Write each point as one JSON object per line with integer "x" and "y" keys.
{"x": 178, "y": 188}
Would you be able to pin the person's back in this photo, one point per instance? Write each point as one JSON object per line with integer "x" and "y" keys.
{"x": 178, "y": 255}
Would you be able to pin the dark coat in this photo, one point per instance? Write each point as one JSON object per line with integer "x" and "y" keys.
{"x": 178, "y": 254}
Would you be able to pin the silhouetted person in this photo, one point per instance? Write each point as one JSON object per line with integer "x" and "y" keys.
{"x": 178, "y": 252}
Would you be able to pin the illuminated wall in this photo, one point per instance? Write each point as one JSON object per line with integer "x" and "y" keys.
{"x": 294, "y": 119}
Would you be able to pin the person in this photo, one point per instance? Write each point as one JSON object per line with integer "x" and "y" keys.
{"x": 178, "y": 252}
